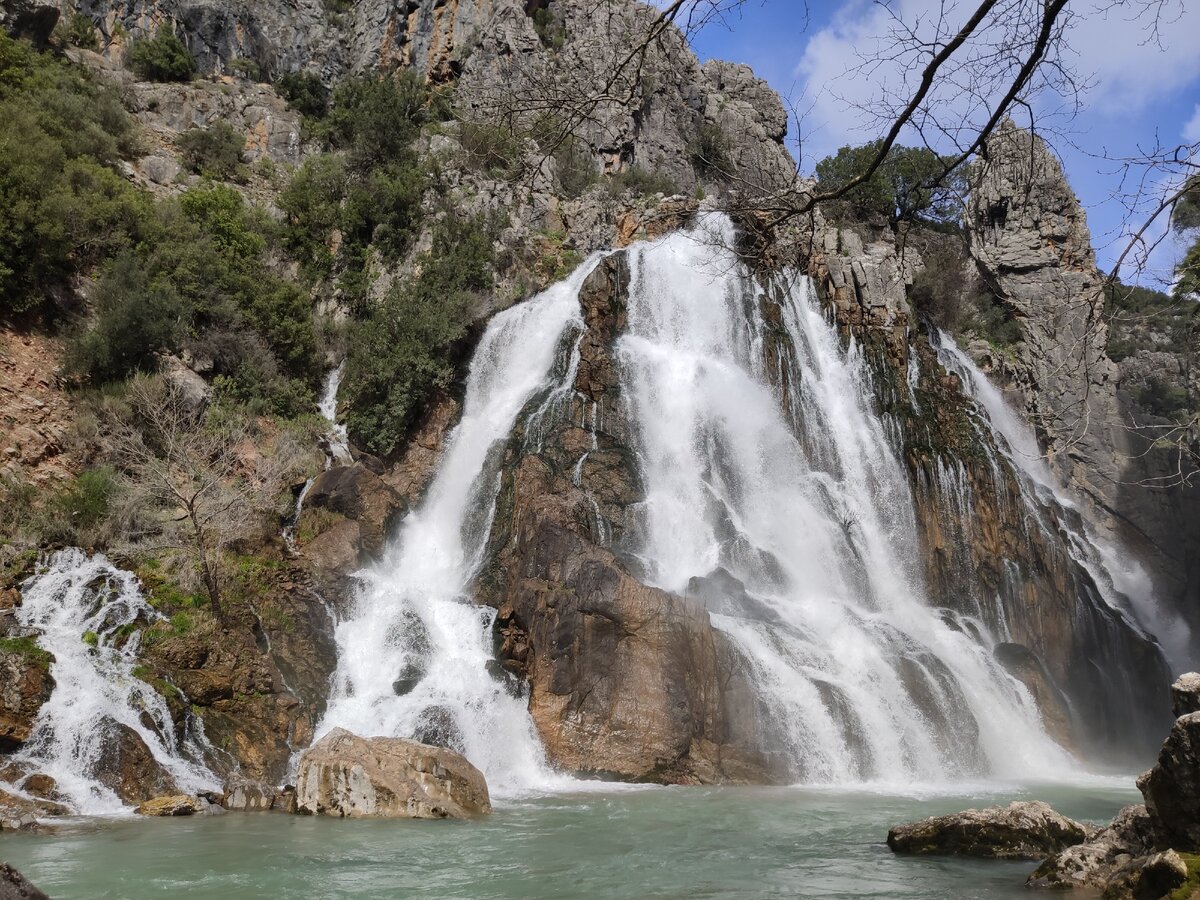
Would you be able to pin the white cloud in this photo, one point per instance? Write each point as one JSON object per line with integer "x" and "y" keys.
{"x": 1126, "y": 67}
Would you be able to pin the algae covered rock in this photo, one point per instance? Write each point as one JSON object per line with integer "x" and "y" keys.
{"x": 171, "y": 805}
{"x": 353, "y": 777}
{"x": 1022, "y": 830}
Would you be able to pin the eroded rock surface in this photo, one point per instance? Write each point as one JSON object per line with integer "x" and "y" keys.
{"x": 25, "y": 684}
{"x": 1022, "y": 830}
{"x": 15, "y": 886}
{"x": 1172, "y": 788}
{"x": 1185, "y": 694}
{"x": 353, "y": 777}
{"x": 1092, "y": 865}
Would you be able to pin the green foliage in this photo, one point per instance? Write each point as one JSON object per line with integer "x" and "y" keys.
{"x": 245, "y": 68}
{"x": 79, "y": 30}
{"x": 28, "y": 648}
{"x": 404, "y": 350}
{"x": 642, "y": 183}
{"x": 62, "y": 206}
{"x": 215, "y": 151}
{"x": 163, "y": 57}
{"x": 91, "y": 638}
{"x": 312, "y": 204}
{"x": 1141, "y": 318}
{"x": 85, "y": 503}
{"x": 550, "y": 31}
{"x": 1188, "y": 272}
{"x": 376, "y": 119}
{"x": 493, "y": 149}
{"x": 709, "y": 150}
{"x": 304, "y": 93}
{"x": 1186, "y": 214}
{"x": 907, "y": 185}
{"x": 383, "y": 207}
{"x": 1161, "y": 398}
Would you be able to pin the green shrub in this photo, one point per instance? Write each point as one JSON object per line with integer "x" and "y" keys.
{"x": 908, "y": 184}
{"x": 575, "y": 167}
{"x": 312, "y": 204}
{"x": 248, "y": 69}
{"x": 550, "y": 31}
{"x": 376, "y": 119}
{"x": 384, "y": 207}
{"x": 163, "y": 57}
{"x": 1160, "y": 398}
{"x": 215, "y": 151}
{"x": 304, "y": 93}
{"x": 709, "y": 150}
{"x": 641, "y": 182}
{"x": 405, "y": 349}
{"x": 493, "y": 149}
{"x": 79, "y": 30}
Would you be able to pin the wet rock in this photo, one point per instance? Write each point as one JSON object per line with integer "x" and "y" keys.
{"x": 1172, "y": 788}
{"x": 437, "y": 727}
{"x": 348, "y": 776}
{"x": 1093, "y": 864}
{"x": 410, "y": 676}
{"x": 15, "y": 886}
{"x": 128, "y": 768}
{"x": 22, "y": 813}
{"x": 25, "y": 684}
{"x": 1025, "y": 666}
{"x": 1185, "y": 694}
{"x": 172, "y": 805}
{"x": 247, "y": 795}
{"x": 41, "y": 785}
{"x": 1022, "y": 830}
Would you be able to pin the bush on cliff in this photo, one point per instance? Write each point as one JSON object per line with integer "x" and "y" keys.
{"x": 62, "y": 204}
{"x": 215, "y": 151}
{"x": 305, "y": 93}
{"x": 163, "y": 57}
{"x": 404, "y": 350}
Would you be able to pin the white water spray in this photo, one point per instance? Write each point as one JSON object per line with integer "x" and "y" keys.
{"x": 413, "y": 656}
{"x": 87, "y": 613}
{"x": 339, "y": 442}
{"x": 1123, "y": 583}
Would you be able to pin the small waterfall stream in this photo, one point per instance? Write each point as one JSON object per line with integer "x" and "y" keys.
{"x": 1124, "y": 584}
{"x": 87, "y": 613}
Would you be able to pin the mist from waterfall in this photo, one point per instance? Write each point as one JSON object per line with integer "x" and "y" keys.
{"x": 88, "y": 614}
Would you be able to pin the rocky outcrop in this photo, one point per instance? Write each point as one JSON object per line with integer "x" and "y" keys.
{"x": 128, "y": 768}
{"x": 1172, "y": 788}
{"x": 15, "y": 886}
{"x": 1022, "y": 830}
{"x": 1124, "y": 846}
{"x": 352, "y": 777}
{"x": 1185, "y": 694}
{"x": 170, "y": 805}
{"x": 25, "y": 684}
{"x": 247, "y": 795}
{"x": 31, "y": 19}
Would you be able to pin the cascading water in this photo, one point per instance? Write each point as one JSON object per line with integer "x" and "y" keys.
{"x": 339, "y": 442}
{"x": 1124, "y": 585}
{"x": 413, "y": 656}
{"x": 805, "y": 503}
{"x": 86, "y": 612}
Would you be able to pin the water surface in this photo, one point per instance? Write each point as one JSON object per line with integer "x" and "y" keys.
{"x": 623, "y": 843}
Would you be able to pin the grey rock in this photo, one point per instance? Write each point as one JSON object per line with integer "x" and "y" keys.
{"x": 247, "y": 795}
{"x": 348, "y": 776}
{"x": 1185, "y": 694}
{"x": 1172, "y": 788}
{"x": 32, "y": 19}
{"x": 1094, "y": 864}
{"x": 15, "y": 886}
{"x": 193, "y": 391}
{"x": 1022, "y": 830}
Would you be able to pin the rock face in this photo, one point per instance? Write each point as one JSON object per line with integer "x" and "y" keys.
{"x": 352, "y": 777}
{"x": 1172, "y": 788}
{"x": 128, "y": 768}
{"x": 25, "y": 684}
{"x": 32, "y": 19}
{"x": 1026, "y": 830}
{"x": 15, "y": 886}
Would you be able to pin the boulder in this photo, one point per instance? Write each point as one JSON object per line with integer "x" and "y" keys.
{"x": 1172, "y": 788}
{"x": 171, "y": 805}
{"x": 1185, "y": 694}
{"x": 25, "y": 684}
{"x": 1022, "y": 830}
{"x": 15, "y": 886}
{"x": 361, "y": 496}
{"x": 127, "y": 767}
{"x": 1095, "y": 863}
{"x": 21, "y": 813}
{"x": 248, "y": 795}
{"x": 349, "y": 776}
{"x": 190, "y": 388}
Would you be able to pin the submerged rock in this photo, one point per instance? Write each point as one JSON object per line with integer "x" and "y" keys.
{"x": 15, "y": 886}
{"x": 1185, "y": 694}
{"x": 1172, "y": 788}
{"x": 349, "y": 776}
{"x": 1022, "y": 830}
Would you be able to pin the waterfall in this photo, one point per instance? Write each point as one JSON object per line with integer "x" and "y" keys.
{"x": 339, "y": 442}
{"x": 804, "y": 501}
{"x": 1123, "y": 583}
{"x": 87, "y": 613}
{"x": 414, "y": 653}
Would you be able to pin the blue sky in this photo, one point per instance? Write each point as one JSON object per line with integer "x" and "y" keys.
{"x": 1141, "y": 91}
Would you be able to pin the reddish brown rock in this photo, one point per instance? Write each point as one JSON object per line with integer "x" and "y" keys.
{"x": 25, "y": 684}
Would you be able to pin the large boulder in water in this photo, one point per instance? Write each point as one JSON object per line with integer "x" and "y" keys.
{"x": 1172, "y": 788}
{"x": 1185, "y": 694}
{"x": 349, "y": 776}
{"x": 15, "y": 886}
{"x": 1125, "y": 846}
{"x": 1023, "y": 830}
{"x": 128, "y": 768}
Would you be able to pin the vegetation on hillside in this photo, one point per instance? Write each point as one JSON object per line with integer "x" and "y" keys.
{"x": 910, "y": 184}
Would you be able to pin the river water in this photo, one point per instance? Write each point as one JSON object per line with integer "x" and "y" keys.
{"x": 622, "y": 842}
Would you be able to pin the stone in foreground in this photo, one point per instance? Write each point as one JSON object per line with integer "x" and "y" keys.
{"x": 349, "y": 776}
{"x": 1115, "y": 855}
{"x": 171, "y": 805}
{"x": 1023, "y": 830}
{"x": 15, "y": 886}
{"x": 1172, "y": 787}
